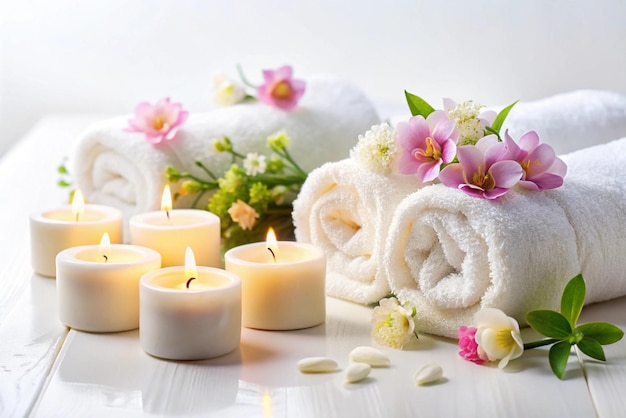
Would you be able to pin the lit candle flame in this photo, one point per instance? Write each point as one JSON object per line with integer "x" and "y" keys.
{"x": 272, "y": 243}
{"x": 191, "y": 272}
{"x": 105, "y": 246}
{"x": 78, "y": 204}
{"x": 166, "y": 200}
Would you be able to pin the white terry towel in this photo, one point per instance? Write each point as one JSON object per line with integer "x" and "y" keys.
{"x": 346, "y": 209}
{"x": 573, "y": 120}
{"x": 451, "y": 255}
{"x": 122, "y": 169}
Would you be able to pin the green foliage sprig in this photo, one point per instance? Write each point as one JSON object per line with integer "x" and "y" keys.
{"x": 563, "y": 332}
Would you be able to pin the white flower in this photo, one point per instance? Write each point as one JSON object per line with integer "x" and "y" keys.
{"x": 226, "y": 91}
{"x": 498, "y": 336}
{"x": 393, "y": 323}
{"x": 470, "y": 120}
{"x": 376, "y": 149}
{"x": 254, "y": 164}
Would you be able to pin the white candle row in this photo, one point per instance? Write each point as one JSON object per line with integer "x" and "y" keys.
{"x": 109, "y": 288}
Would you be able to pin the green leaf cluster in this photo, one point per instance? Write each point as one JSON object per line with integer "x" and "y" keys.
{"x": 270, "y": 194}
{"x": 563, "y": 332}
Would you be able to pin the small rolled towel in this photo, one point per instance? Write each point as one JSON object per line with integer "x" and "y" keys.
{"x": 122, "y": 169}
{"x": 450, "y": 255}
{"x": 346, "y": 209}
{"x": 573, "y": 120}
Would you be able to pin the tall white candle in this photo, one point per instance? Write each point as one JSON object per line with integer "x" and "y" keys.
{"x": 70, "y": 226}
{"x": 98, "y": 287}
{"x": 282, "y": 289}
{"x": 190, "y": 313}
{"x": 170, "y": 231}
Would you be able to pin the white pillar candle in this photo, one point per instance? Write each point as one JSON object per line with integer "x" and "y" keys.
{"x": 98, "y": 287}
{"x": 183, "y": 319}
{"x": 283, "y": 289}
{"x": 170, "y": 231}
{"x": 70, "y": 226}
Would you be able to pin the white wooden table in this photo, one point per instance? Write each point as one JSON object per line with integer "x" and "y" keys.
{"x": 47, "y": 370}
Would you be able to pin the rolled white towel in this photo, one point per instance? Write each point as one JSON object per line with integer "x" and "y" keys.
{"x": 346, "y": 209}
{"x": 573, "y": 120}
{"x": 122, "y": 169}
{"x": 451, "y": 255}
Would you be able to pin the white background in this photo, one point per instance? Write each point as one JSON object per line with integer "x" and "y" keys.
{"x": 70, "y": 56}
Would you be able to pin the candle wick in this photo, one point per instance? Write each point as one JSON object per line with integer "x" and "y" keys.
{"x": 167, "y": 213}
{"x": 189, "y": 281}
{"x": 105, "y": 258}
{"x": 273, "y": 255}
{"x": 77, "y": 214}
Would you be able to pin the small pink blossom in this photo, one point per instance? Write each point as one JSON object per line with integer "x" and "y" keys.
{"x": 482, "y": 171}
{"x": 468, "y": 345}
{"x": 542, "y": 169}
{"x": 426, "y": 144}
{"x": 280, "y": 88}
{"x": 159, "y": 121}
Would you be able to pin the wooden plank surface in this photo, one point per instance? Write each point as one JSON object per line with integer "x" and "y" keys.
{"x": 30, "y": 333}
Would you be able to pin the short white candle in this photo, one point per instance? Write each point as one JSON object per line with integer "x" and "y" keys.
{"x": 98, "y": 287}
{"x": 70, "y": 226}
{"x": 194, "y": 322}
{"x": 170, "y": 231}
{"x": 283, "y": 289}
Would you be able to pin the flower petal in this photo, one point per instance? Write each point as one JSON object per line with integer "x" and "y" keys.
{"x": 506, "y": 173}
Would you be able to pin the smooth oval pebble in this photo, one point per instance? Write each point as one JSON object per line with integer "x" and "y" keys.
{"x": 317, "y": 365}
{"x": 369, "y": 355}
{"x": 357, "y": 372}
{"x": 428, "y": 374}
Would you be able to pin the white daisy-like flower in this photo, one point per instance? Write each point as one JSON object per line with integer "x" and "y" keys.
{"x": 226, "y": 91}
{"x": 498, "y": 336}
{"x": 470, "y": 120}
{"x": 393, "y": 323}
{"x": 254, "y": 164}
{"x": 376, "y": 150}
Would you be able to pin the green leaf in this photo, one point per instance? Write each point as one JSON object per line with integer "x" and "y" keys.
{"x": 603, "y": 332}
{"x": 558, "y": 355}
{"x": 592, "y": 348}
{"x": 417, "y": 105}
{"x": 549, "y": 323}
{"x": 63, "y": 183}
{"x": 62, "y": 170}
{"x": 499, "y": 120}
{"x": 573, "y": 299}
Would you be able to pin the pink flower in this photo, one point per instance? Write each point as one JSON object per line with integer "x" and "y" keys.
{"x": 481, "y": 171}
{"x": 468, "y": 345}
{"x": 426, "y": 144}
{"x": 542, "y": 169}
{"x": 280, "y": 89}
{"x": 159, "y": 122}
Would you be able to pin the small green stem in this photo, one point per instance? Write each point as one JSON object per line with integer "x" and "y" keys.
{"x": 206, "y": 170}
{"x": 243, "y": 77}
{"x": 540, "y": 343}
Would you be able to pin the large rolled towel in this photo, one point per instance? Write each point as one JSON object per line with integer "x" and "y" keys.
{"x": 573, "y": 120}
{"x": 346, "y": 209}
{"x": 122, "y": 169}
{"x": 451, "y": 255}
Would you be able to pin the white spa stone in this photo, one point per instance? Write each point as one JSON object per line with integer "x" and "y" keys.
{"x": 369, "y": 355}
{"x": 317, "y": 365}
{"x": 357, "y": 372}
{"x": 428, "y": 374}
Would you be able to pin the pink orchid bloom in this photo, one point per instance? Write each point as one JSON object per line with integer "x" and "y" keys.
{"x": 159, "y": 121}
{"x": 426, "y": 144}
{"x": 482, "y": 171}
{"x": 280, "y": 89}
{"x": 542, "y": 169}
{"x": 468, "y": 345}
